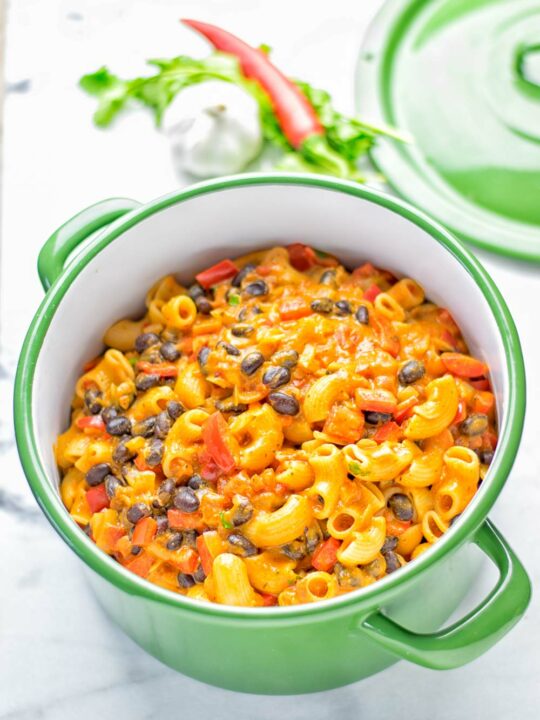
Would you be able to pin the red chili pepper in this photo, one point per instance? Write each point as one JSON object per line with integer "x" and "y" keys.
{"x": 295, "y": 114}
{"x": 325, "y": 555}
{"x": 205, "y": 556}
{"x": 145, "y": 531}
{"x": 371, "y": 293}
{"x": 97, "y": 498}
{"x": 464, "y": 366}
{"x": 91, "y": 422}
{"x": 213, "y": 435}
{"x": 217, "y": 273}
{"x": 302, "y": 257}
{"x": 161, "y": 369}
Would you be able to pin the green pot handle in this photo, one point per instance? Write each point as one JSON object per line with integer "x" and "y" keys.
{"x": 471, "y": 636}
{"x": 55, "y": 252}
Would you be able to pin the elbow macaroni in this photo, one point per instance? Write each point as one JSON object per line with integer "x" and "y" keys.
{"x": 273, "y": 445}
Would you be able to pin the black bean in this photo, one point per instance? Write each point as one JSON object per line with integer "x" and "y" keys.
{"x": 296, "y": 550}
{"x": 283, "y": 403}
{"x": 199, "y": 575}
{"x": 328, "y": 278}
{"x": 230, "y": 349}
{"x": 144, "y": 428}
{"x": 374, "y": 418}
{"x": 189, "y": 538}
{"x": 174, "y": 542}
{"x": 186, "y": 500}
{"x": 136, "y": 549}
{"x": 242, "y": 511}
{"x": 202, "y": 357}
{"x": 392, "y": 561}
{"x": 401, "y": 506}
{"x": 144, "y": 381}
{"x": 119, "y": 425}
{"x": 287, "y": 358}
{"x": 229, "y": 406}
{"x": 162, "y": 425}
{"x": 240, "y": 276}
{"x": 145, "y": 340}
{"x": 275, "y": 376}
{"x": 313, "y": 537}
{"x": 112, "y": 483}
{"x": 375, "y": 568}
{"x": 162, "y": 524}
{"x": 251, "y": 363}
{"x": 166, "y": 490}
{"x": 486, "y": 456}
{"x": 169, "y": 351}
{"x": 343, "y": 307}
{"x": 241, "y": 545}
{"x": 322, "y": 305}
{"x": 175, "y": 409}
{"x": 152, "y": 356}
{"x": 97, "y": 473}
{"x": 242, "y": 330}
{"x": 362, "y": 315}
{"x": 411, "y": 372}
{"x": 256, "y": 310}
{"x": 137, "y": 512}
{"x": 475, "y": 424}
{"x": 155, "y": 454}
{"x": 121, "y": 454}
{"x": 389, "y": 544}
{"x": 185, "y": 581}
{"x": 242, "y": 315}
{"x": 91, "y": 401}
{"x": 257, "y": 288}
{"x": 195, "y": 482}
{"x": 195, "y": 291}
{"x": 204, "y": 306}
{"x": 108, "y": 413}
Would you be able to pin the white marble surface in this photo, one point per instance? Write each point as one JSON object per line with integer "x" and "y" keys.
{"x": 59, "y": 656}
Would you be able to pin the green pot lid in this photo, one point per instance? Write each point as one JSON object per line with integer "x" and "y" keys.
{"x": 462, "y": 77}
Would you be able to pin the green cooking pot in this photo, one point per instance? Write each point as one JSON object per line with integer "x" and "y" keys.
{"x": 94, "y": 279}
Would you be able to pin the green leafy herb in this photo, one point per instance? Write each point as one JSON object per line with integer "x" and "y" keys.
{"x": 234, "y": 299}
{"x": 346, "y": 139}
{"x": 356, "y": 469}
{"x": 226, "y": 524}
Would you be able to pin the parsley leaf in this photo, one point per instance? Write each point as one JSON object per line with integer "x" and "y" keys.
{"x": 226, "y": 524}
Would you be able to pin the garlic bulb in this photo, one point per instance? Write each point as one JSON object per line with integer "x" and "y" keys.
{"x": 214, "y": 129}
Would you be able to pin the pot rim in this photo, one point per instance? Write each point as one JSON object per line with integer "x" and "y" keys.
{"x": 105, "y": 566}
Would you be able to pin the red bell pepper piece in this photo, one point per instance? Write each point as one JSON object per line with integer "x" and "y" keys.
{"x": 141, "y": 564}
{"x": 388, "y": 431}
{"x": 205, "y": 556}
{"x": 97, "y": 498}
{"x": 302, "y": 257}
{"x": 186, "y": 560}
{"x": 213, "y": 435}
{"x": 294, "y": 112}
{"x": 404, "y": 409}
{"x": 217, "y": 273}
{"x": 483, "y": 402}
{"x": 145, "y": 531}
{"x": 464, "y": 366}
{"x": 375, "y": 400}
{"x": 480, "y": 384}
{"x": 161, "y": 369}
{"x": 92, "y": 423}
{"x": 268, "y": 600}
{"x": 461, "y": 413}
{"x": 179, "y": 520}
{"x": 325, "y": 555}
{"x": 365, "y": 270}
{"x": 371, "y": 293}
{"x": 294, "y": 309}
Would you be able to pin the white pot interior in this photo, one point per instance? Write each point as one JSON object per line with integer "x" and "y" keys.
{"x": 193, "y": 234}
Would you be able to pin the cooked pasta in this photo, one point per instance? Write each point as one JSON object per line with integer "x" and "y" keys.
{"x": 281, "y": 432}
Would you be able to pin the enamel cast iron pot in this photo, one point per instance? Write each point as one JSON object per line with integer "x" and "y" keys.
{"x": 303, "y": 648}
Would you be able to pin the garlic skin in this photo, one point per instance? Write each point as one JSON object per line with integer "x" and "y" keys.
{"x": 213, "y": 128}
